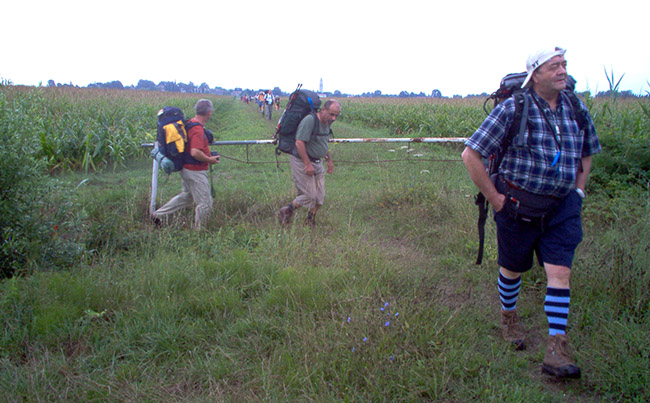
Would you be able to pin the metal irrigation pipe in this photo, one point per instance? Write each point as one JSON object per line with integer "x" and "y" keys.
{"x": 341, "y": 140}
{"x": 351, "y": 140}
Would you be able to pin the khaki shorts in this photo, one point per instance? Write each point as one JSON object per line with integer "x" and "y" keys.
{"x": 311, "y": 189}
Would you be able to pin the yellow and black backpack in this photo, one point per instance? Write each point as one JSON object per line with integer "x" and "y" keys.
{"x": 171, "y": 149}
{"x": 171, "y": 139}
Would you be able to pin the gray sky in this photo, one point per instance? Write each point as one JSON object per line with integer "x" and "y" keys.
{"x": 355, "y": 46}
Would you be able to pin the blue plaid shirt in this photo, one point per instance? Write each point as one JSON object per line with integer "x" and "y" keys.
{"x": 529, "y": 161}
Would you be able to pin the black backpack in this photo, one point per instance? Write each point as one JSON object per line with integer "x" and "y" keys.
{"x": 171, "y": 139}
{"x": 301, "y": 103}
{"x": 172, "y": 150}
{"x": 511, "y": 87}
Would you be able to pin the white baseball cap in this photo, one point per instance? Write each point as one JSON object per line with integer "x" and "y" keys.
{"x": 538, "y": 58}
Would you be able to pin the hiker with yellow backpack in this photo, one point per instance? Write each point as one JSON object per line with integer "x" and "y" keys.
{"x": 195, "y": 162}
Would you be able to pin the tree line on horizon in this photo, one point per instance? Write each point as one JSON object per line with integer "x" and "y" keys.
{"x": 204, "y": 88}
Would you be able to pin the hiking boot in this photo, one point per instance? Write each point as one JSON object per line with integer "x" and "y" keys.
{"x": 512, "y": 330}
{"x": 310, "y": 221}
{"x": 285, "y": 215}
{"x": 557, "y": 360}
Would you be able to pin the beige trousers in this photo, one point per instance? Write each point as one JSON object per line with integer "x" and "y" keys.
{"x": 196, "y": 191}
{"x": 311, "y": 189}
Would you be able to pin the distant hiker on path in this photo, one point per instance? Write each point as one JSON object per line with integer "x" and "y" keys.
{"x": 537, "y": 197}
{"x": 260, "y": 101}
{"x": 307, "y": 169}
{"x": 196, "y": 186}
{"x": 268, "y": 105}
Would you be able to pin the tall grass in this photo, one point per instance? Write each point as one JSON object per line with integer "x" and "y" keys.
{"x": 624, "y": 131}
{"x": 382, "y": 301}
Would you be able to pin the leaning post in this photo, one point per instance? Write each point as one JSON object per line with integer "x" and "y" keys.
{"x": 154, "y": 186}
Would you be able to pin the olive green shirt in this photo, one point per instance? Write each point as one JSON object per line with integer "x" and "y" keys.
{"x": 316, "y": 146}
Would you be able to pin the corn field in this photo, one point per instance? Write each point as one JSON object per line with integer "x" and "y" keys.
{"x": 78, "y": 128}
{"x": 73, "y": 128}
{"x": 417, "y": 118}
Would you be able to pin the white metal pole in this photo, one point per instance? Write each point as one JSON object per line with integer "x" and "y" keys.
{"x": 346, "y": 140}
{"x": 154, "y": 187}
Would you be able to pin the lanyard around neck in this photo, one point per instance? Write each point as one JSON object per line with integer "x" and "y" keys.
{"x": 554, "y": 129}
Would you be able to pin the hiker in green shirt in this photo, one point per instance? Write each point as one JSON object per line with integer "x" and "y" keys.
{"x": 307, "y": 162}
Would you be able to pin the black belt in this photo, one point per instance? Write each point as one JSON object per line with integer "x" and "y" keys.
{"x": 312, "y": 159}
{"x": 515, "y": 187}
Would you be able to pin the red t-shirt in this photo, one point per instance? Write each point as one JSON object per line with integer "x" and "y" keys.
{"x": 197, "y": 139}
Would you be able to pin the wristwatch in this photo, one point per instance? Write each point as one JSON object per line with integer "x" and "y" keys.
{"x": 580, "y": 192}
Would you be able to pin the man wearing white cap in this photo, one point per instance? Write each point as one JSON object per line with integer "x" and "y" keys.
{"x": 537, "y": 196}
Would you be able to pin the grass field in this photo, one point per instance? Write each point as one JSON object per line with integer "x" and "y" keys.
{"x": 381, "y": 301}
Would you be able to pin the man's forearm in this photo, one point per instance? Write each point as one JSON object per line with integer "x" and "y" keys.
{"x": 477, "y": 173}
{"x": 199, "y": 155}
{"x": 302, "y": 152}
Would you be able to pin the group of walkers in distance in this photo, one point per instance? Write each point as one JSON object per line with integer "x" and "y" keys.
{"x": 544, "y": 170}
{"x": 266, "y": 101}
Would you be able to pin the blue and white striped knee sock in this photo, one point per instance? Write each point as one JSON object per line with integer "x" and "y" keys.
{"x": 556, "y": 306}
{"x": 508, "y": 291}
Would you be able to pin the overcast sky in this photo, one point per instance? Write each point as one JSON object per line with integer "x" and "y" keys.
{"x": 355, "y": 46}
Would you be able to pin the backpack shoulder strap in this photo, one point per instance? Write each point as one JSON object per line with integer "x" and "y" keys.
{"x": 207, "y": 133}
{"x": 521, "y": 116}
{"x": 190, "y": 124}
{"x": 576, "y": 108}
{"x": 518, "y": 126}
{"x": 316, "y": 129}
{"x": 187, "y": 158}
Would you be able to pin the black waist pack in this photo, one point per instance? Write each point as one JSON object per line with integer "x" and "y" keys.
{"x": 526, "y": 206}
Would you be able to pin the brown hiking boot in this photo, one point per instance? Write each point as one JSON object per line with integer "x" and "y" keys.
{"x": 285, "y": 215}
{"x": 557, "y": 360}
{"x": 310, "y": 221}
{"x": 512, "y": 330}
{"x": 156, "y": 221}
